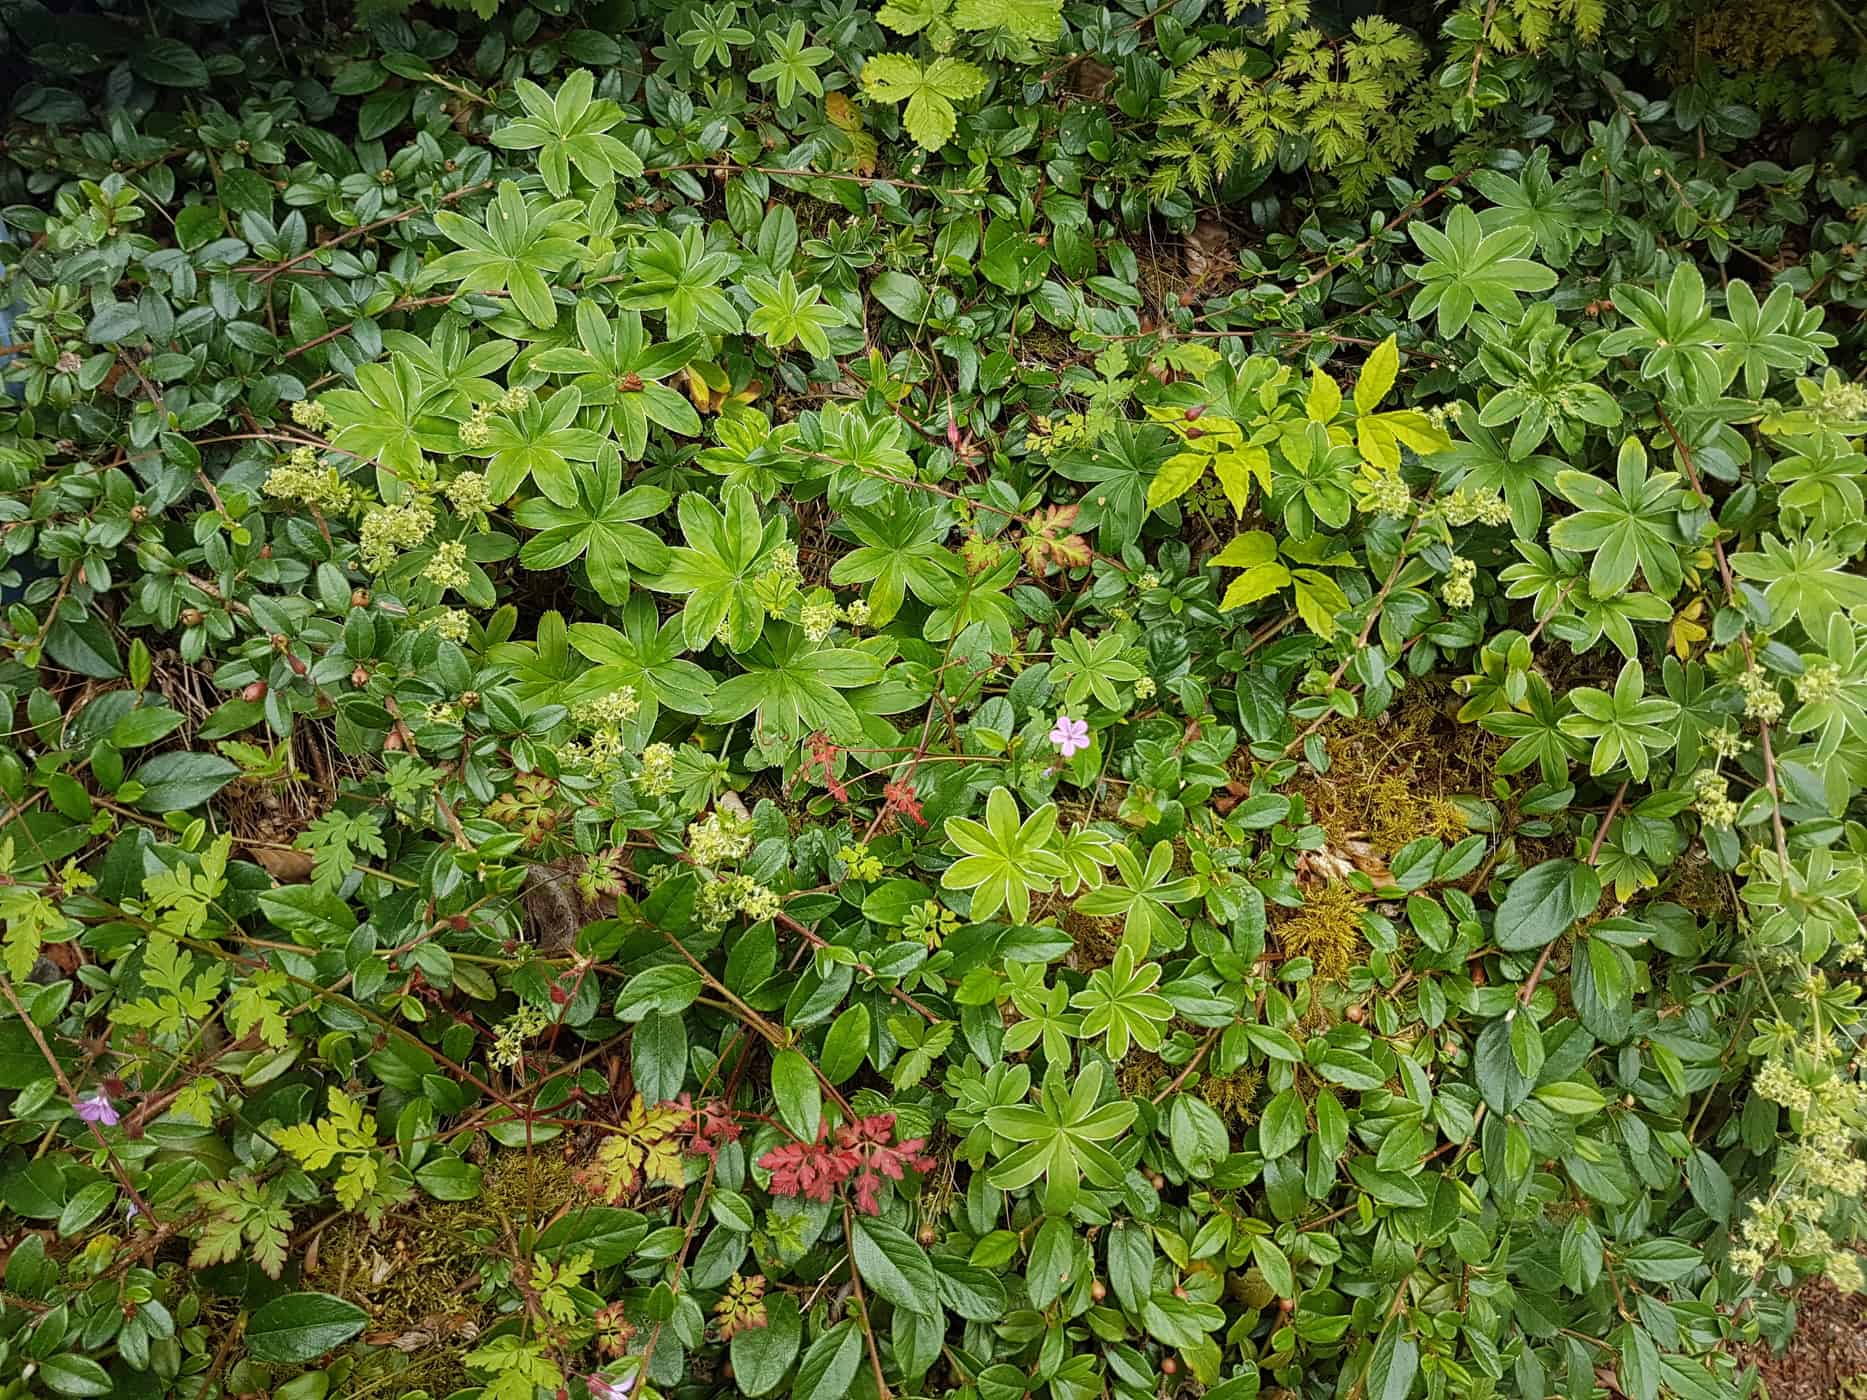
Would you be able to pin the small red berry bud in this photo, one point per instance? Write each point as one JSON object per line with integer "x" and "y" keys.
{"x": 255, "y": 691}
{"x": 1169, "y": 1367}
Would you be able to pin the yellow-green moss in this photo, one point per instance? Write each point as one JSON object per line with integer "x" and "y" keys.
{"x": 1326, "y": 930}
{"x": 1234, "y": 1096}
{"x": 417, "y": 1275}
{"x": 1756, "y": 36}
{"x": 1393, "y": 778}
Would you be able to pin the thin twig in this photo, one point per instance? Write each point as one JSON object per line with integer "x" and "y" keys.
{"x": 862, "y": 1306}
{"x": 1750, "y": 660}
{"x": 816, "y": 175}
{"x": 360, "y": 230}
{"x": 1212, "y": 1038}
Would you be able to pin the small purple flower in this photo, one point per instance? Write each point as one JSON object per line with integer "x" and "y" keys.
{"x": 602, "y": 1388}
{"x": 98, "y": 1109}
{"x": 1070, "y": 735}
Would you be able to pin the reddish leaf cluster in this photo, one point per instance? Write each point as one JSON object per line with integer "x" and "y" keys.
{"x": 821, "y": 756}
{"x": 861, "y": 1150}
{"x": 900, "y": 797}
{"x": 711, "y": 1127}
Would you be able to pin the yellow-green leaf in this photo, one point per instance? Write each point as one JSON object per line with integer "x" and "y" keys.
{"x": 1376, "y": 443}
{"x": 1177, "y": 475}
{"x": 1235, "y": 470}
{"x": 1252, "y": 547}
{"x": 1573, "y": 1098}
{"x": 1253, "y": 584}
{"x": 1417, "y": 430}
{"x": 1320, "y": 600}
{"x": 1377, "y": 376}
{"x": 1325, "y": 398}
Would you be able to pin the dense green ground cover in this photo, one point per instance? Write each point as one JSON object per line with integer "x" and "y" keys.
{"x": 969, "y": 698}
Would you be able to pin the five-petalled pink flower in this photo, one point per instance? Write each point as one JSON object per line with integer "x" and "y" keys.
{"x": 98, "y": 1109}
{"x": 1070, "y": 735}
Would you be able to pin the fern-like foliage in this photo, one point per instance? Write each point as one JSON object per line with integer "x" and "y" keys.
{"x": 1530, "y": 26}
{"x": 1353, "y": 106}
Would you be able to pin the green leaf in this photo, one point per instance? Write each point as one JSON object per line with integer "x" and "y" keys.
{"x": 668, "y": 989}
{"x": 1131, "y": 1263}
{"x": 143, "y": 726}
{"x": 1392, "y": 1365}
{"x": 168, "y": 63}
{"x": 1544, "y": 902}
{"x": 325, "y": 920}
{"x": 1286, "y": 1118}
{"x": 448, "y": 1178}
{"x": 76, "y": 1375}
{"x": 929, "y": 92}
{"x": 762, "y": 1355}
{"x": 847, "y": 1044}
{"x": 1274, "y": 1264}
{"x": 893, "y": 1264}
{"x": 830, "y": 1364}
{"x": 799, "y": 1096}
{"x": 1197, "y": 1134}
{"x": 1466, "y": 268}
{"x": 181, "y": 781}
{"x": 301, "y": 1327}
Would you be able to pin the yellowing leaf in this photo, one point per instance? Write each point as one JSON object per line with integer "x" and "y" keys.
{"x": 1377, "y": 376}
{"x": 1254, "y": 583}
{"x": 1378, "y": 436}
{"x": 1687, "y": 630}
{"x": 1250, "y": 548}
{"x": 1041, "y": 20}
{"x": 1176, "y": 477}
{"x": 1325, "y": 398}
{"x": 1320, "y": 600}
{"x": 1235, "y": 470}
{"x": 1417, "y": 430}
{"x": 842, "y": 112}
{"x": 644, "y": 1148}
{"x": 1377, "y": 444}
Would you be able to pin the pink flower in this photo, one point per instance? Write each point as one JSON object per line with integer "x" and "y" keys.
{"x": 602, "y": 1388}
{"x": 1070, "y": 735}
{"x": 98, "y": 1109}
